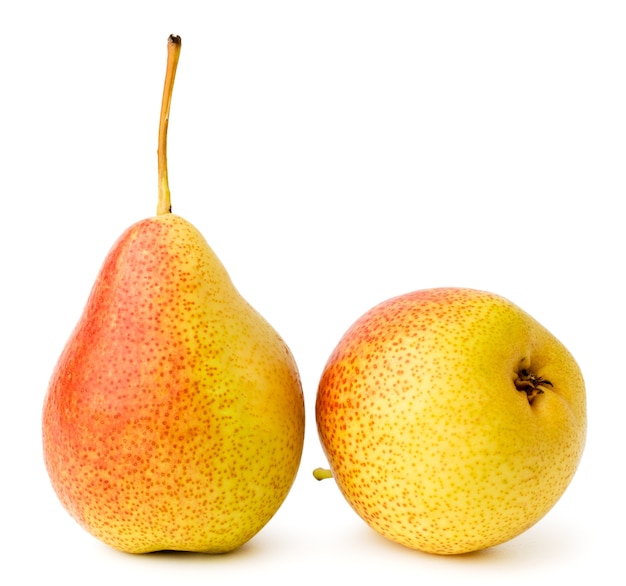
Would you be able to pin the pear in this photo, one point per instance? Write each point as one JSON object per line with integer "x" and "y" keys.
{"x": 174, "y": 418}
{"x": 451, "y": 419}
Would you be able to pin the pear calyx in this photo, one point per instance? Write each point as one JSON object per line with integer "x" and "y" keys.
{"x": 531, "y": 384}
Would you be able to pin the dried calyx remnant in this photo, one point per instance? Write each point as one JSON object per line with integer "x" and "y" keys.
{"x": 530, "y": 383}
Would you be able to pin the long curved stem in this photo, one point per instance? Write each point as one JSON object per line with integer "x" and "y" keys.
{"x": 164, "y": 205}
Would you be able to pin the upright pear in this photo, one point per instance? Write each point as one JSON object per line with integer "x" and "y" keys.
{"x": 174, "y": 418}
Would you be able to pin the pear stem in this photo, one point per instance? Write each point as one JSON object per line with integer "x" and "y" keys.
{"x": 164, "y": 205}
{"x": 322, "y": 473}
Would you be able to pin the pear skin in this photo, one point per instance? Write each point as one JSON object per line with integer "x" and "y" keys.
{"x": 174, "y": 418}
{"x": 451, "y": 419}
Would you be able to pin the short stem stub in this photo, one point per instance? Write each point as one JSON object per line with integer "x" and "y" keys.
{"x": 322, "y": 473}
{"x": 164, "y": 205}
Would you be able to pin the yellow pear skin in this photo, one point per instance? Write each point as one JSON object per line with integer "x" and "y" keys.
{"x": 174, "y": 418}
{"x": 452, "y": 420}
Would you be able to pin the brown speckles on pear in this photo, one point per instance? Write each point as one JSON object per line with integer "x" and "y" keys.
{"x": 174, "y": 418}
{"x": 426, "y": 432}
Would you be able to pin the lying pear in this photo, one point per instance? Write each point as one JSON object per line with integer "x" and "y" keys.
{"x": 452, "y": 420}
{"x": 174, "y": 419}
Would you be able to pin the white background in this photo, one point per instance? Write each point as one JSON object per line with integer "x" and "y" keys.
{"x": 334, "y": 154}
